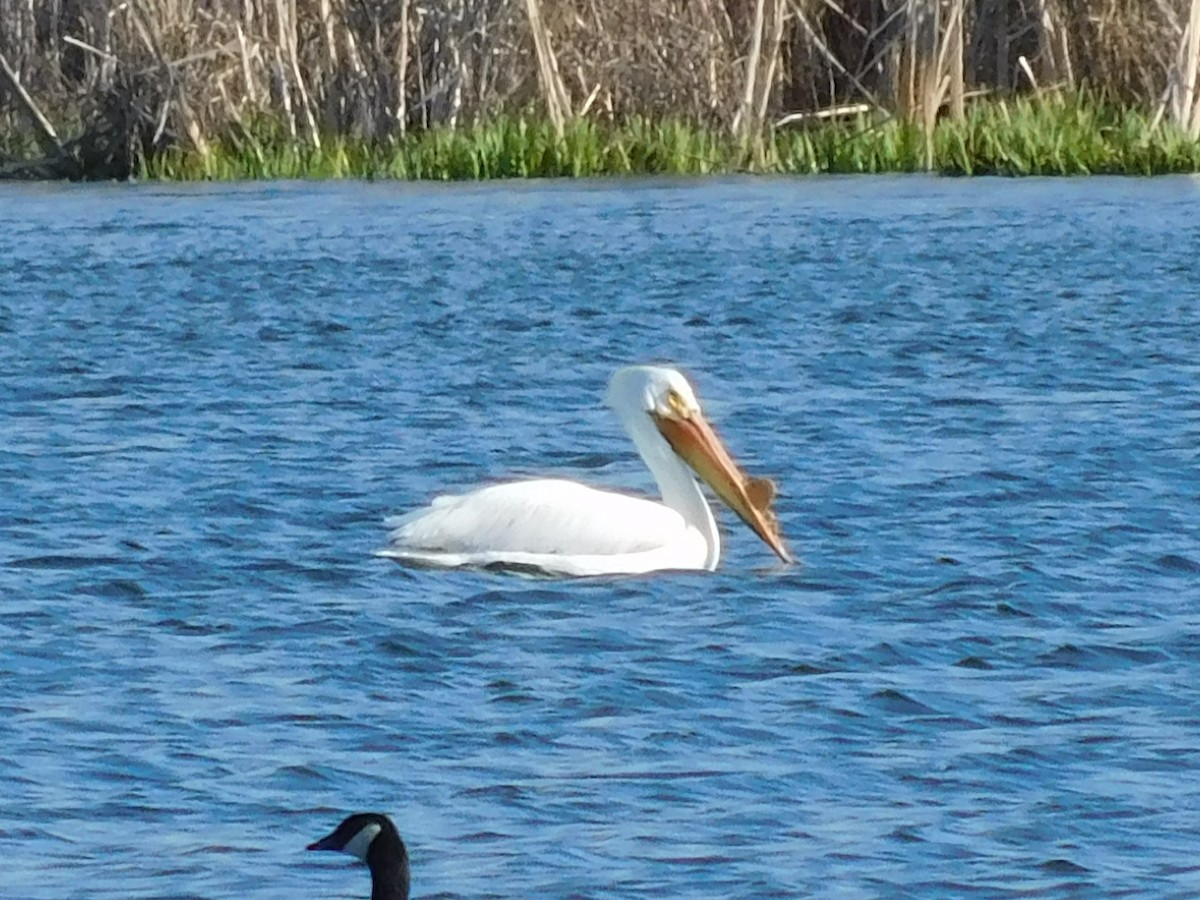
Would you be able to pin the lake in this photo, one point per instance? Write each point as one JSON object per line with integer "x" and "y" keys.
{"x": 980, "y": 398}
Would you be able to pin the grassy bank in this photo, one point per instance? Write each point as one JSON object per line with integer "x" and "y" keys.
{"x": 1056, "y": 135}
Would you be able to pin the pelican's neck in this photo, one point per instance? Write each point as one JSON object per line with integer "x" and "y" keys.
{"x": 679, "y": 489}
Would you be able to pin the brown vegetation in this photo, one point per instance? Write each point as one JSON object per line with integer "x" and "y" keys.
{"x": 129, "y": 77}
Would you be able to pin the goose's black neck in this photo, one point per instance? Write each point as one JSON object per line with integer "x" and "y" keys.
{"x": 388, "y": 859}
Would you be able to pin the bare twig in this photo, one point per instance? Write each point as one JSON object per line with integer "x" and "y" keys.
{"x": 82, "y": 45}
{"x": 46, "y": 135}
{"x": 844, "y": 110}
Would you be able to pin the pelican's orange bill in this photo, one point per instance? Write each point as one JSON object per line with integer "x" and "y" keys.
{"x": 698, "y": 445}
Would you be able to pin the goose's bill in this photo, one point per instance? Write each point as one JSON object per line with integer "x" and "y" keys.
{"x": 324, "y": 843}
{"x": 694, "y": 440}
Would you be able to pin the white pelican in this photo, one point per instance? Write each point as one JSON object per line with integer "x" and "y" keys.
{"x": 559, "y": 527}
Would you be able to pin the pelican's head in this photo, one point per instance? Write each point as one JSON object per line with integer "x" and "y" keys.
{"x": 667, "y": 398}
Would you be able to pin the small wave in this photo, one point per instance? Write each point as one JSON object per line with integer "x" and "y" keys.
{"x": 484, "y": 837}
{"x": 973, "y": 662}
{"x": 1174, "y": 562}
{"x": 965, "y": 402}
{"x": 118, "y": 588}
{"x": 1063, "y": 867}
{"x": 62, "y": 562}
{"x": 894, "y": 701}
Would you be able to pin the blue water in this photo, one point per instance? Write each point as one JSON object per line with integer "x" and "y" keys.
{"x": 981, "y": 400}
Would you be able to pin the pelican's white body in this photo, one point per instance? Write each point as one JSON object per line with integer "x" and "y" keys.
{"x": 556, "y": 526}
{"x": 562, "y": 527}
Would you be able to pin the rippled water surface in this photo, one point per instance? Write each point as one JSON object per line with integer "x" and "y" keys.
{"x": 981, "y": 400}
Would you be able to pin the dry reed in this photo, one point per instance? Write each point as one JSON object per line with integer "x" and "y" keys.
{"x": 102, "y": 85}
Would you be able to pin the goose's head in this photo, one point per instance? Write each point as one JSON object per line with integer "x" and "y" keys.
{"x": 664, "y": 397}
{"x": 373, "y": 839}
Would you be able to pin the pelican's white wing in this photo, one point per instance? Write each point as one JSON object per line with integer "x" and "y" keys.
{"x": 552, "y": 525}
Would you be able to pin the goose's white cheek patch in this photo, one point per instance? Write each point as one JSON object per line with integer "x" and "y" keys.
{"x": 358, "y": 845}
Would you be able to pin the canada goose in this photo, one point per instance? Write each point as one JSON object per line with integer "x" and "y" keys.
{"x": 373, "y": 839}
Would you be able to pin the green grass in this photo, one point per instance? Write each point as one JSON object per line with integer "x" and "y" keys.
{"x": 1073, "y": 135}
{"x": 507, "y": 148}
{"x": 1054, "y": 135}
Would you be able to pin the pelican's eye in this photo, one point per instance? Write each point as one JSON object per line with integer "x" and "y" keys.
{"x": 678, "y": 405}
